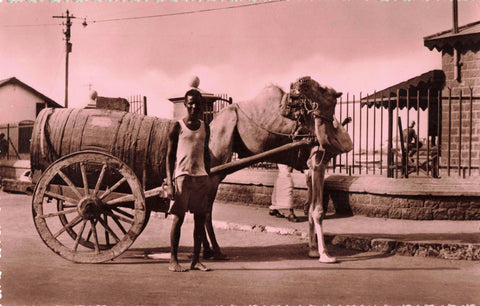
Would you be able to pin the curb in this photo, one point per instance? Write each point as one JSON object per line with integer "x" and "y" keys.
{"x": 443, "y": 250}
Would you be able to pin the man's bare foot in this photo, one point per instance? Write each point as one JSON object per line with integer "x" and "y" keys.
{"x": 199, "y": 266}
{"x": 176, "y": 267}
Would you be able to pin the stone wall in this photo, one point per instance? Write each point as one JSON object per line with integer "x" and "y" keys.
{"x": 255, "y": 194}
{"x": 469, "y": 63}
{"x": 374, "y": 196}
{"x": 406, "y": 207}
{"x": 469, "y": 60}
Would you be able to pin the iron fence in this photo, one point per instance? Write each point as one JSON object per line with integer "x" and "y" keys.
{"x": 16, "y": 141}
{"x": 138, "y": 104}
{"x": 414, "y": 132}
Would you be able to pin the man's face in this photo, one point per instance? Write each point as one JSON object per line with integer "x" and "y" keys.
{"x": 194, "y": 107}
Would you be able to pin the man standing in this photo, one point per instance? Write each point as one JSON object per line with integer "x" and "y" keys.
{"x": 3, "y": 146}
{"x": 188, "y": 165}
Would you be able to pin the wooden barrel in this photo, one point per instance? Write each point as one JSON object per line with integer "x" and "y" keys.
{"x": 139, "y": 141}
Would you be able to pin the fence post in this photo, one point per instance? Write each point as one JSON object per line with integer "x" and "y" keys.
{"x": 470, "y": 138}
{"x": 390, "y": 139}
{"x": 460, "y": 100}
{"x": 353, "y": 140}
{"x": 145, "y": 105}
{"x": 8, "y": 141}
{"x": 428, "y": 133}
{"x": 449, "y": 129}
{"x": 381, "y": 135}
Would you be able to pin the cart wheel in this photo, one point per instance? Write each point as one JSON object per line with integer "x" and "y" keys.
{"x": 89, "y": 207}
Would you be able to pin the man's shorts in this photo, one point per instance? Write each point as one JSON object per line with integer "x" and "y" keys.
{"x": 190, "y": 194}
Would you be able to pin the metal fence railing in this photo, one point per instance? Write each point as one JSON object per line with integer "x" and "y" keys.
{"x": 15, "y": 143}
{"x": 411, "y": 133}
{"x": 138, "y": 104}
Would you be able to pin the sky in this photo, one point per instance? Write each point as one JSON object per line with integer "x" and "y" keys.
{"x": 154, "y": 48}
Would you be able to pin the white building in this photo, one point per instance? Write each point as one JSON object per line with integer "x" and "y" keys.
{"x": 19, "y": 106}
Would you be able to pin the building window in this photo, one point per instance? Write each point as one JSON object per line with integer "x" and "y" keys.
{"x": 39, "y": 108}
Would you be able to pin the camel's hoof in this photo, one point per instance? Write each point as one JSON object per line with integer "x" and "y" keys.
{"x": 313, "y": 254}
{"x": 327, "y": 259}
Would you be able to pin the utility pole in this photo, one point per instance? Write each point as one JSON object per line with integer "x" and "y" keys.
{"x": 68, "y": 49}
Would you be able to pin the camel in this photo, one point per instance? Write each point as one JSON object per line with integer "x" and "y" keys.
{"x": 274, "y": 118}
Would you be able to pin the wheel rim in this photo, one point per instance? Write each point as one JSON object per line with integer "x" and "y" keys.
{"x": 89, "y": 207}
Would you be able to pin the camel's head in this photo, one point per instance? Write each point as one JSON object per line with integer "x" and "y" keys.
{"x": 318, "y": 100}
{"x": 319, "y": 103}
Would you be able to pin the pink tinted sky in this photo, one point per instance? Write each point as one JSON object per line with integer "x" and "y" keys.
{"x": 352, "y": 46}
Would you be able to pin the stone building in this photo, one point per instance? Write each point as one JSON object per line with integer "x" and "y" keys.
{"x": 460, "y": 49}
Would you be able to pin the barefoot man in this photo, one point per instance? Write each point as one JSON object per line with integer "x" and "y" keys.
{"x": 188, "y": 165}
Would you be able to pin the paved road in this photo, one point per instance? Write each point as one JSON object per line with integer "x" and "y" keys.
{"x": 264, "y": 268}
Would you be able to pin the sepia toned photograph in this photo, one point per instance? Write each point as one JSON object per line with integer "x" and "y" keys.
{"x": 240, "y": 152}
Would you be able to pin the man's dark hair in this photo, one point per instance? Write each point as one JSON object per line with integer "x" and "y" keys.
{"x": 194, "y": 93}
{"x": 2, "y": 135}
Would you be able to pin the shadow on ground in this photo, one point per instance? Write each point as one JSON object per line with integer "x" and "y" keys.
{"x": 246, "y": 254}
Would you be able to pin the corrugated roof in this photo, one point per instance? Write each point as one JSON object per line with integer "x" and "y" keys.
{"x": 14, "y": 80}
{"x": 468, "y": 35}
{"x": 433, "y": 80}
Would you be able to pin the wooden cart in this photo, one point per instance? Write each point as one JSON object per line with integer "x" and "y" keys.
{"x": 98, "y": 175}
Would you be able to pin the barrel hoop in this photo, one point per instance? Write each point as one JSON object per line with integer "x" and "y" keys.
{"x": 143, "y": 144}
{"x": 43, "y": 134}
{"x": 62, "y": 132}
{"x": 77, "y": 130}
{"x": 114, "y": 144}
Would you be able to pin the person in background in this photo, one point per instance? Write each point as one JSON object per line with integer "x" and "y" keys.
{"x": 3, "y": 146}
{"x": 282, "y": 195}
{"x": 411, "y": 139}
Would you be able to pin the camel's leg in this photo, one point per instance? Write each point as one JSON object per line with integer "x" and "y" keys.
{"x": 312, "y": 237}
{"x": 308, "y": 181}
{"x": 215, "y": 251}
{"x": 316, "y": 215}
{"x": 211, "y": 233}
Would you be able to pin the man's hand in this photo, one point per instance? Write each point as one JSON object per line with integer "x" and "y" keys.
{"x": 170, "y": 192}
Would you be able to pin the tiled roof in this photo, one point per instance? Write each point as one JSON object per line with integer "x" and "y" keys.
{"x": 14, "y": 80}
{"x": 468, "y": 35}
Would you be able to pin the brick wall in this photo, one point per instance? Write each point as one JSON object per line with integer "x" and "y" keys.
{"x": 459, "y": 118}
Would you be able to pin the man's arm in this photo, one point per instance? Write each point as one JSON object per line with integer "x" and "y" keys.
{"x": 171, "y": 157}
{"x": 206, "y": 151}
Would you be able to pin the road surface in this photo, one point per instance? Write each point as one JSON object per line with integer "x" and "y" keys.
{"x": 264, "y": 269}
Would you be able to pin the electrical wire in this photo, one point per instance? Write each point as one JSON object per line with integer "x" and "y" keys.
{"x": 29, "y": 25}
{"x": 152, "y": 16}
{"x": 188, "y": 12}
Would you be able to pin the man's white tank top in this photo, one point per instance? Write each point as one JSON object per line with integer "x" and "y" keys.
{"x": 190, "y": 151}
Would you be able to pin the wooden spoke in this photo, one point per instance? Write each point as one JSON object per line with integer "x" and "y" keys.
{"x": 110, "y": 190}
{"x": 107, "y": 228}
{"x": 100, "y": 178}
{"x": 79, "y": 235}
{"x": 122, "y": 212}
{"x": 72, "y": 223}
{"x": 107, "y": 236}
{"x": 58, "y": 213}
{"x": 127, "y": 220}
{"x": 117, "y": 221}
{"x": 60, "y": 197}
{"x": 89, "y": 235}
{"x": 69, "y": 205}
{"x": 69, "y": 183}
{"x": 84, "y": 177}
{"x": 95, "y": 237}
{"x": 127, "y": 198}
